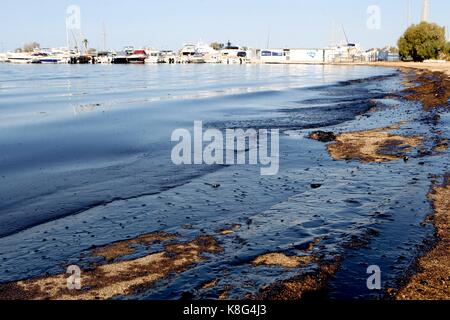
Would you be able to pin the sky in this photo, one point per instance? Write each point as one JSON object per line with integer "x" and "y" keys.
{"x": 165, "y": 24}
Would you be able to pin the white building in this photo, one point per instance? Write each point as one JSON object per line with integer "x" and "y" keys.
{"x": 339, "y": 54}
{"x": 294, "y": 55}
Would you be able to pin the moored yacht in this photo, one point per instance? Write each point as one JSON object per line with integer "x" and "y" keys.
{"x": 104, "y": 57}
{"x": 120, "y": 58}
{"x": 44, "y": 57}
{"x": 19, "y": 58}
{"x": 137, "y": 57}
{"x": 167, "y": 56}
{"x": 153, "y": 56}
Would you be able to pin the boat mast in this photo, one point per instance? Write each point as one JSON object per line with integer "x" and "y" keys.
{"x": 104, "y": 37}
{"x": 408, "y": 13}
{"x": 345, "y": 34}
{"x": 268, "y": 38}
{"x": 425, "y": 10}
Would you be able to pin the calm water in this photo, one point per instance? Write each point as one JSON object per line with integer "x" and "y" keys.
{"x": 85, "y": 160}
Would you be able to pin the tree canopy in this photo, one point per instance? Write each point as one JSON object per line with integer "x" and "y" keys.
{"x": 422, "y": 41}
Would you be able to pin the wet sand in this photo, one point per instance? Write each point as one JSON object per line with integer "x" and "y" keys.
{"x": 432, "y": 281}
{"x": 433, "y": 67}
{"x": 119, "y": 278}
{"x": 429, "y": 84}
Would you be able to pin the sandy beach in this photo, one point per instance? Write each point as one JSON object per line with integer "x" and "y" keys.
{"x": 431, "y": 66}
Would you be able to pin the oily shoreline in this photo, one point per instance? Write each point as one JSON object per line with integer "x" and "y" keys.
{"x": 430, "y": 279}
{"x": 115, "y": 275}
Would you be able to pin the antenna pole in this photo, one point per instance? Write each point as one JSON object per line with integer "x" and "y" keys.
{"x": 408, "y": 13}
{"x": 425, "y": 10}
{"x": 345, "y": 34}
{"x": 104, "y": 37}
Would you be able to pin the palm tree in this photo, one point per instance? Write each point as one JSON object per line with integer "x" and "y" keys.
{"x": 86, "y": 44}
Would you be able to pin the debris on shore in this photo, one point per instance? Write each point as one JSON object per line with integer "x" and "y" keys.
{"x": 433, "y": 89}
{"x": 127, "y": 247}
{"x": 300, "y": 287}
{"x": 280, "y": 259}
{"x": 116, "y": 279}
{"x": 377, "y": 145}
{"x": 432, "y": 281}
{"x": 323, "y": 136}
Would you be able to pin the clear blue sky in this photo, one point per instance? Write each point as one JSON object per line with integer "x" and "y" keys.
{"x": 168, "y": 24}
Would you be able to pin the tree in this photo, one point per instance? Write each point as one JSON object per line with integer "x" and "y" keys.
{"x": 86, "y": 44}
{"x": 217, "y": 46}
{"x": 446, "y": 53}
{"x": 447, "y": 48}
{"x": 29, "y": 47}
{"x": 421, "y": 42}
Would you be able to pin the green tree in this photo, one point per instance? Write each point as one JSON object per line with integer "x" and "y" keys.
{"x": 217, "y": 45}
{"x": 86, "y": 44}
{"x": 447, "y": 48}
{"x": 445, "y": 55}
{"x": 421, "y": 42}
{"x": 29, "y": 47}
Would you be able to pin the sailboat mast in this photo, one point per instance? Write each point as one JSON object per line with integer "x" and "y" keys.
{"x": 104, "y": 37}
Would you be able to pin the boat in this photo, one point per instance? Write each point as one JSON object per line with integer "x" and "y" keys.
{"x": 104, "y": 57}
{"x": 84, "y": 59}
{"x": 19, "y": 58}
{"x": 233, "y": 55}
{"x": 120, "y": 58}
{"x": 167, "y": 56}
{"x": 44, "y": 57}
{"x": 204, "y": 53}
{"x": 153, "y": 56}
{"x": 198, "y": 58}
{"x": 137, "y": 57}
{"x": 188, "y": 50}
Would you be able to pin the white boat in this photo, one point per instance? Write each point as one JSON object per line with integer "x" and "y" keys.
{"x": 209, "y": 54}
{"x": 45, "y": 57}
{"x": 3, "y": 57}
{"x": 233, "y": 55}
{"x": 188, "y": 50}
{"x": 63, "y": 55}
{"x": 19, "y": 58}
{"x": 168, "y": 56}
{"x": 153, "y": 56}
{"x": 104, "y": 57}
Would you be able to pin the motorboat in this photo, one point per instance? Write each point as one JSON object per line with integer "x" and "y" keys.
{"x": 19, "y": 58}
{"x": 167, "y": 56}
{"x": 153, "y": 56}
{"x": 137, "y": 57}
{"x": 44, "y": 57}
{"x": 104, "y": 57}
{"x": 120, "y": 58}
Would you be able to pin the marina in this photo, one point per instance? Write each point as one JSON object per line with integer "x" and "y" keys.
{"x": 203, "y": 53}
